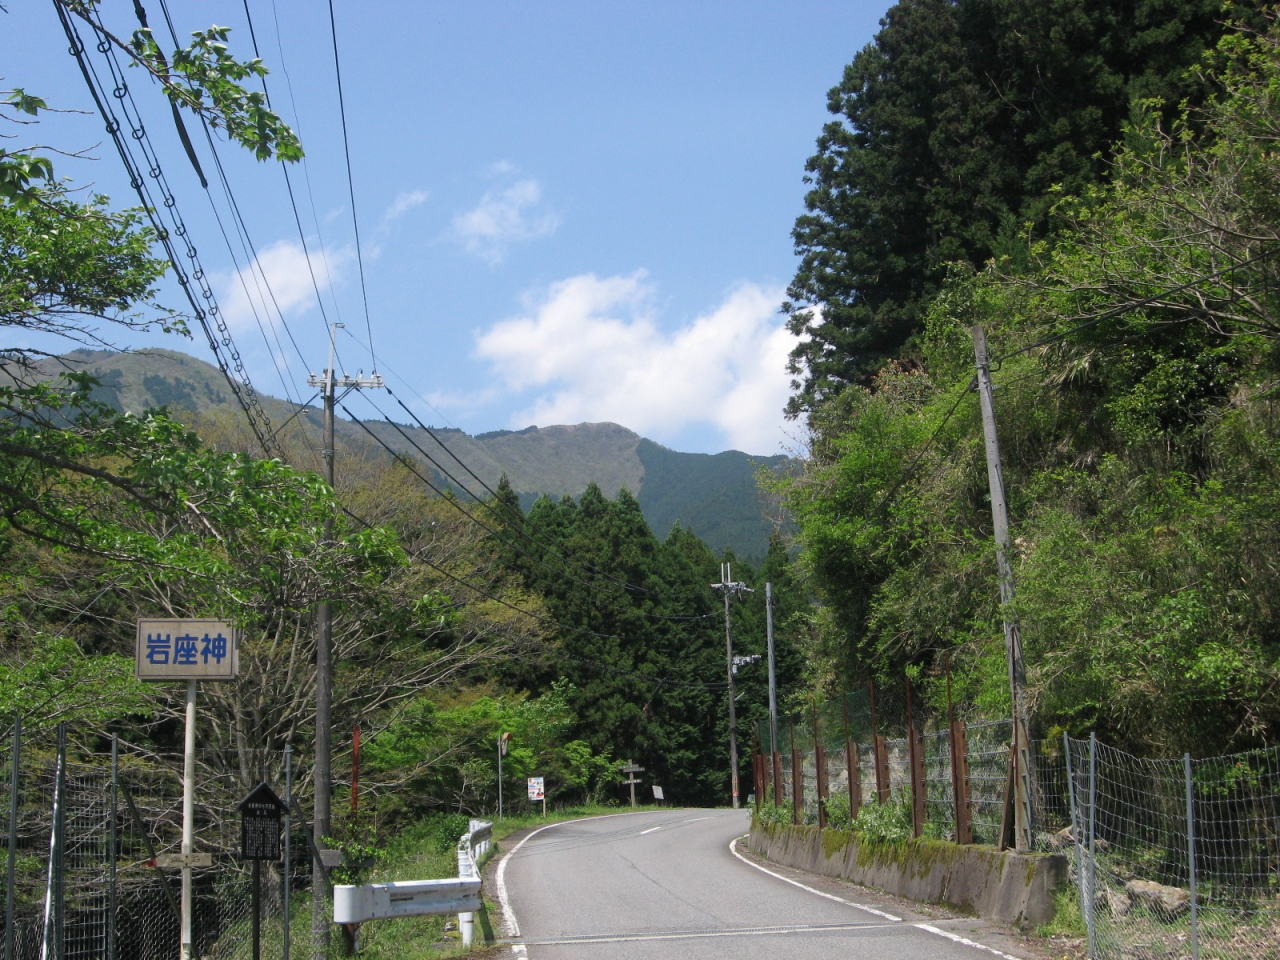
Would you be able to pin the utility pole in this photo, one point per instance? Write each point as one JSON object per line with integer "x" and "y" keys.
{"x": 731, "y": 589}
{"x": 324, "y": 664}
{"x": 1012, "y": 631}
{"x": 773, "y": 679}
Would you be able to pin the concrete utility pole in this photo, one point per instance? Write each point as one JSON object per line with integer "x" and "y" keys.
{"x": 324, "y": 664}
{"x": 731, "y": 589}
{"x": 1012, "y": 632}
{"x": 773, "y": 679}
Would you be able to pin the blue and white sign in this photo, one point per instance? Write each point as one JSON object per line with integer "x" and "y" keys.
{"x": 187, "y": 650}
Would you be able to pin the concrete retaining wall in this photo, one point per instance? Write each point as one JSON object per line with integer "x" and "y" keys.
{"x": 1010, "y": 888}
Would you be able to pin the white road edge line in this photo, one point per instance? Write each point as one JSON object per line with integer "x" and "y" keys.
{"x": 928, "y": 928}
{"x": 733, "y": 848}
{"x": 508, "y": 915}
{"x": 965, "y": 940}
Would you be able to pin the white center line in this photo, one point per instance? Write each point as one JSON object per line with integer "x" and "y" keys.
{"x": 650, "y": 830}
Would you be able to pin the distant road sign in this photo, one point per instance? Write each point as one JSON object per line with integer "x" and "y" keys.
{"x": 186, "y": 650}
{"x": 535, "y": 788}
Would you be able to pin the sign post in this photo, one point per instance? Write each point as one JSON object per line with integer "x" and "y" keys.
{"x": 189, "y": 650}
{"x": 261, "y": 813}
{"x": 537, "y": 792}
{"x": 632, "y": 769}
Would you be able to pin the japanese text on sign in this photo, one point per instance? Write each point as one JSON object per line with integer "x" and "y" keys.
{"x": 535, "y": 788}
{"x": 186, "y": 650}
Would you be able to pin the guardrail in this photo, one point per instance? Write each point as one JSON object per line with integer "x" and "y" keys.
{"x": 356, "y": 903}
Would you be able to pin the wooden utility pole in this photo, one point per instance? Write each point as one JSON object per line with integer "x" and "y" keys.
{"x": 731, "y": 589}
{"x": 1012, "y": 633}
{"x": 327, "y": 382}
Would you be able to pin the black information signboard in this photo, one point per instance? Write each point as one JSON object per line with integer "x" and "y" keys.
{"x": 260, "y": 815}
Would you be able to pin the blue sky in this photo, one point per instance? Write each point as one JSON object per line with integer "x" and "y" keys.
{"x": 568, "y": 212}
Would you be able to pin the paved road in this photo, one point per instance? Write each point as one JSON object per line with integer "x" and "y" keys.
{"x": 668, "y": 885}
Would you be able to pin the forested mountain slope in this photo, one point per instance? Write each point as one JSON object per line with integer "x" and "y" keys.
{"x": 1134, "y": 318}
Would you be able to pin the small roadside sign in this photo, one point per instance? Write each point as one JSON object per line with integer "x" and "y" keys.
{"x": 657, "y": 794}
{"x": 186, "y": 650}
{"x": 260, "y": 815}
{"x": 535, "y": 788}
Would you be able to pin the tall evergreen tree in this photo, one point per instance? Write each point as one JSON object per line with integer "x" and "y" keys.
{"x": 954, "y": 125}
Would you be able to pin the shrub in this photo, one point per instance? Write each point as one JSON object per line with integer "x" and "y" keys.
{"x": 837, "y": 808}
{"x": 884, "y": 822}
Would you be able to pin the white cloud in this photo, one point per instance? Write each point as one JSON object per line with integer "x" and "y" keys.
{"x": 404, "y": 203}
{"x": 512, "y": 213}
{"x": 591, "y": 349}
{"x": 284, "y": 267}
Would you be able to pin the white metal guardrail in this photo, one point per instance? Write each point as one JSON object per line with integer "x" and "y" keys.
{"x": 420, "y": 898}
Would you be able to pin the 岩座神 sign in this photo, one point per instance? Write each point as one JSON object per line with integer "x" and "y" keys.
{"x": 535, "y": 788}
{"x": 186, "y": 650}
{"x": 260, "y": 814}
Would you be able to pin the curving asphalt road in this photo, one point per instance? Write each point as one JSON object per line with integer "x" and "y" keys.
{"x": 669, "y": 884}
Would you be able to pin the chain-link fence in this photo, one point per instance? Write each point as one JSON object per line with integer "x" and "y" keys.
{"x": 92, "y": 866}
{"x": 1177, "y": 858}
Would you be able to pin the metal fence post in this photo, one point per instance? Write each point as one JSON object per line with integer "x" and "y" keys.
{"x": 53, "y": 893}
{"x": 797, "y": 779}
{"x": 1076, "y": 824}
{"x": 112, "y": 841}
{"x": 820, "y": 770}
{"x": 915, "y": 763}
{"x": 288, "y": 828}
{"x": 1191, "y": 854}
{"x": 851, "y": 763}
{"x": 1090, "y": 902}
{"x": 13, "y": 839}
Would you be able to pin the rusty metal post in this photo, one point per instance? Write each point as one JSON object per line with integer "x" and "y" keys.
{"x": 820, "y": 765}
{"x": 958, "y": 742}
{"x": 777, "y": 778}
{"x": 851, "y": 764}
{"x": 879, "y": 752}
{"x": 797, "y": 778}
{"x": 960, "y": 781}
{"x": 758, "y": 776}
{"x": 915, "y": 757}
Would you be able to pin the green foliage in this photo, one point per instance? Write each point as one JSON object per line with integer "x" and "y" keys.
{"x": 884, "y": 822}
{"x": 952, "y": 129}
{"x": 447, "y": 751}
{"x": 769, "y": 813}
{"x": 1138, "y": 431}
{"x": 836, "y": 808}
{"x": 49, "y": 679}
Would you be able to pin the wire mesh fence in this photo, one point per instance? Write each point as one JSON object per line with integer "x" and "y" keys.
{"x": 1177, "y": 858}
{"x": 91, "y": 862}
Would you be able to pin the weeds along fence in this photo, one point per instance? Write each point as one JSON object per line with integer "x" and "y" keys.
{"x": 1176, "y": 858}
{"x": 89, "y": 868}
{"x": 884, "y": 746}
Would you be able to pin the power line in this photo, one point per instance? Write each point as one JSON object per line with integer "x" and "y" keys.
{"x": 408, "y": 464}
{"x": 594, "y": 571}
{"x": 564, "y": 627}
{"x": 240, "y": 386}
{"x": 351, "y": 188}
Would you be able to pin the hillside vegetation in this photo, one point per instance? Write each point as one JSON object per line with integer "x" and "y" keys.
{"x": 1131, "y": 308}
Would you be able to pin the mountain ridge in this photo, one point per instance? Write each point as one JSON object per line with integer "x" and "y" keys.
{"x": 714, "y": 495}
